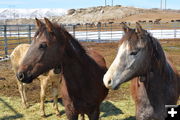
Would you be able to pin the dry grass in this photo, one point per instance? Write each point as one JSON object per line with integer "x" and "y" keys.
{"x": 12, "y": 109}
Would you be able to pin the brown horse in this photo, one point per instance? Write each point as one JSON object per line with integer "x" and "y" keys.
{"x": 82, "y": 87}
{"x": 156, "y": 84}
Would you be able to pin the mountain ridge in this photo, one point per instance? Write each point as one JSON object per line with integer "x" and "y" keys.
{"x": 102, "y": 14}
{"x": 10, "y": 13}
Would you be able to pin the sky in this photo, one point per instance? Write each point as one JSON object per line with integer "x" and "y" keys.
{"x": 68, "y": 4}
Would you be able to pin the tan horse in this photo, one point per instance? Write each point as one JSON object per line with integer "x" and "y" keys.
{"x": 16, "y": 56}
{"x": 156, "y": 83}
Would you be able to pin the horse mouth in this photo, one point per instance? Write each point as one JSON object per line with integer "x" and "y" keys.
{"x": 26, "y": 79}
{"x": 115, "y": 87}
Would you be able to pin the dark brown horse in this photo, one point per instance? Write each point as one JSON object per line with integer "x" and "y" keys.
{"x": 156, "y": 83}
{"x": 82, "y": 87}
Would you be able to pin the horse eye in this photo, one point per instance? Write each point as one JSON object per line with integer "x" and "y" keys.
{"x": 134, "y": 52}
{"x": 43, "y": 46}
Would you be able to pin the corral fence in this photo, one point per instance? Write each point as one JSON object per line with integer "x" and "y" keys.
{"x": 12, "y": 35}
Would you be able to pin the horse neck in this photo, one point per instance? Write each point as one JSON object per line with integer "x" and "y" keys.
{"x": 159, "y": 69}
{"x": 158, "y": 62}
{"x": 157, "y": 78}
{"x": 75, "y": 63}
{"x": 156, "y": 84}
{"x": 152, "y": 89}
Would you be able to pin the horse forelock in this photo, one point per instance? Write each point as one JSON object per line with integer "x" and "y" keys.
{"x": 152, "y": 44}
{"x": 130, "y": 37}
{"x": 40, "y": 30}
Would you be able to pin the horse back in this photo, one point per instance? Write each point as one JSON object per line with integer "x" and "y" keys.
{"x": 99, "y": 59}
{"x": 101, "y": 63}
{"x": 18, "y": 54}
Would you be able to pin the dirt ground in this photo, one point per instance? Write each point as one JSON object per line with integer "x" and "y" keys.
{"x": 8, "y": 86}
{"x": 165, "y": 16}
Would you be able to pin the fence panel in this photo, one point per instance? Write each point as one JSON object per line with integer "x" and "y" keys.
{"x": 13, "y": 35}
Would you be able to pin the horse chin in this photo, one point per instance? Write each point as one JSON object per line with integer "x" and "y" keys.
{"x": 28, "y": 80}
{"x": 115, "y": 87}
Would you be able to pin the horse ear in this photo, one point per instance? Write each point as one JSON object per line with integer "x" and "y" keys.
{"x": 139, "y": 29}
{"x": 125, "y": 27}
{"x": 49, "y": 25}
{"x": 38, "y": 22}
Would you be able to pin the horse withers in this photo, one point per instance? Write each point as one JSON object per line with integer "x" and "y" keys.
{"x": 82, "y": 87}
{"x": 155, "y": 83}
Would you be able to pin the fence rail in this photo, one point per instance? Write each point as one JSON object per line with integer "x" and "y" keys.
{"x": 12, "y": 35}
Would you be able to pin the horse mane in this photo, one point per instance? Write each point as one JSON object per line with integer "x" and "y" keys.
{"x": 78, "y": 48}
{"x": 157, "y": 54}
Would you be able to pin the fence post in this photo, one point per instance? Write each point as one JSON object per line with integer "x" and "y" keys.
{"x": 111, "y": 29}
{"x": 161, "y": 26}
{"x": 74, "y": 31}
{"x": 99, "y": 31}
{"x": 5, "y": 41}
{"x": 86, "y": 33}
{"x": 175, "y": 30}
{"x": 29, "y": 35}
{"x": 18, "y": 36}
{"x": 174, "y": 33}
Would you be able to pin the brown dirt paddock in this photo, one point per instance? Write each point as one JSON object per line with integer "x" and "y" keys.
{"x": 8, "y": 86}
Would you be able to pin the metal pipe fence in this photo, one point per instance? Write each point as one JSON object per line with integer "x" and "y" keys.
{"x": 13, "y": 35}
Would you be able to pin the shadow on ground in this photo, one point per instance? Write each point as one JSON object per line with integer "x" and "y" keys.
{"x": 130, "y": 118}
{"x": 60, "y": 102}
{"x": 106, "y": 107}
{"x": 109, "y": 109}
{"x": 16, "y": 114}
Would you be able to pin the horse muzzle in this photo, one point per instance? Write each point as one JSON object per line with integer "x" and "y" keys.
{"x": 23, "y": 77}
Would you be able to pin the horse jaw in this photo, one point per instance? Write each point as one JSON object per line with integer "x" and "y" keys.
{"x": 113, "y": 74}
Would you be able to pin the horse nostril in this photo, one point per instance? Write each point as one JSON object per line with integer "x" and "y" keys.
{"x": 109, "y": 82}
{"x": 20, "y": 76}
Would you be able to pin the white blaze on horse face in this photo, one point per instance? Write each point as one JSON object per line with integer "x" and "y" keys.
{"x": 113, "y": 71}
{"x": 37, "y": 36}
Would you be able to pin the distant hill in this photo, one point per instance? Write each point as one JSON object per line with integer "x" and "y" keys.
{"x": 102, "y": 14}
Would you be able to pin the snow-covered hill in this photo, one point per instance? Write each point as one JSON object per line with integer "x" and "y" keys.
{"x": 7, "y": 13}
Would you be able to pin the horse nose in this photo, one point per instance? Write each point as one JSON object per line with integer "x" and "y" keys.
{"x": 108, "y": 83}
{"x": 20, "y": 76}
